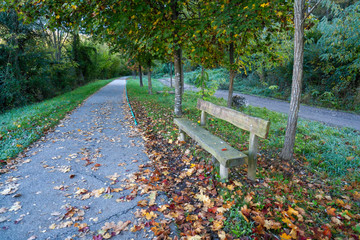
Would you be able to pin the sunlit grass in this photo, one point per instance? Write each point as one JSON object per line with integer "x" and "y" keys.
{"x": 22, "y": 126}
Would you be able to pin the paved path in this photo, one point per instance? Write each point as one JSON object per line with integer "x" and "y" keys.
{"x": 90, "y": 150}
{"x": 330, "y": 117}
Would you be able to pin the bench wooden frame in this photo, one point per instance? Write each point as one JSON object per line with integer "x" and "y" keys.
{"x": 219, "y": 149}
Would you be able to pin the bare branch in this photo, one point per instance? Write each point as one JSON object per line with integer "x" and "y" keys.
{"x": 310, "y": 11}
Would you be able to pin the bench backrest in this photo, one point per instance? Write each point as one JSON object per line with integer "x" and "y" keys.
{"x": 254, "y": 125}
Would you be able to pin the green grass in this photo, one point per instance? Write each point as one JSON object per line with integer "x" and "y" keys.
{"x": 22, "y": 126}
{"x": 333, "y": 153}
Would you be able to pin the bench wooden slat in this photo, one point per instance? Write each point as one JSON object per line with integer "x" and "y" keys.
{"x": 258, "y": 126}
{"x": 214, "y": 145}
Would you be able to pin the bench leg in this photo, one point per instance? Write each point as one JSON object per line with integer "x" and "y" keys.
{"x": 181, "y": 135}
{"x": 224, "y": 172}
{"x": 252, "y": 156}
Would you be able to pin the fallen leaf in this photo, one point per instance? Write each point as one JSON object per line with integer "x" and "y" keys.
{"x": 284, "y": 236}
{"x": 3, "y": 219}
{"x": 331, "y": 211}
{"x": 152, "y": 198}
{"x": 97, "y": 193}
{"x": 142, "y": 203}
{"x": 52, "y": 226}
{"x": 222, "y": 235}
{"x": 259, "y": 219}
{"x": 121, "y": 226}
{"x": 336, "y": 221}
{"x": 245, "y": 210}
{"x": 217, "y": 225}
{"x": 15, "y": 207}
{"x": 150, "y": 215}
{"x": 271, "y": 224}
{"x": 3, "y": 210}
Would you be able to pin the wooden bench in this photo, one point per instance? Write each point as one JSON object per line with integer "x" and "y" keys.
{"x": 218, "y": 148}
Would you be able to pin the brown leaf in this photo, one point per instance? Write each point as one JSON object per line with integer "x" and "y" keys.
{"x": 259, "y": 219}
{"x": 142, "y": 203}
{"x": 271, "y": 224}
{"x": 331, "y": 211}
{"x": 245, "y": 210}
{"x": 121, "y": 226}
{"x": 336, "y": 221}
{"x": 217, "y": 225}
{"x": 152, "y": 198}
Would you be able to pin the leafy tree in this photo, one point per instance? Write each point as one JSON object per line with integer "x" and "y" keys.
{"x": 341, "y": 50}
{"x": 240, "y": 25}
{"x": 297, "y": 78}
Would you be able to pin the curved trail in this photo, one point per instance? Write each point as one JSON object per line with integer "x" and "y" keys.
{"x": 329, "y": 117}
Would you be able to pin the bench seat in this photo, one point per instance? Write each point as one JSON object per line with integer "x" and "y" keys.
{"x": 214, "y": 145}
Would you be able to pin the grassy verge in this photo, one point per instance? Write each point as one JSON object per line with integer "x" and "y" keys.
{"x": 317, "y": 197}
{"x": 22, "y": 126}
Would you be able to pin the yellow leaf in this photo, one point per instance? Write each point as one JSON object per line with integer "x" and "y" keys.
{"x": 107, "y": 236}
{"x": 74, "y": 7}
{"x": 284, "y": 236}
{"x": 150, "y": 215}
{"x": 57, "y": 16}
{"x": 52, "y": 226}
{"x": 217, "y": 225}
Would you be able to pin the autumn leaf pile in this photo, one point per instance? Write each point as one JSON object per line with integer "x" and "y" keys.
{"x": 286, "y": 202}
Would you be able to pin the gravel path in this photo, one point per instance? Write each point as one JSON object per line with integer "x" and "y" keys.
{"x": 330, "y": 117}
{"x": 76, "y": 175}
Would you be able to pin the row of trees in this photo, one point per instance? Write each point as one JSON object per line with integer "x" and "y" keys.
{"x": 210, "y": 33}
{"x": 38, "y": 62}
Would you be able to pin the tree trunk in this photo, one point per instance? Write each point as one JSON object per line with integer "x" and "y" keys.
{"x": 76, "y": 57}
{"x": 288, "y": 149}
{"x": 177, "y": 61}
{"x": 232, "y": 74}
{"x": 171, "y": 83}
{"x": 182, "y": 74}
{"x": 149, "y": 78}
{"x": 178, "y": 97}
{"x": 202, "y": 82}
{"x": 140, "y": 76}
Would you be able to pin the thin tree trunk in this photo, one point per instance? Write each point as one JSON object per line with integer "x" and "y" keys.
{"x": 149, "y": 78}
{"x": 177, "y": 61}
{"x": 178, "y": 97}
{"x": 171, "y": 82}
{"x": 140, "y": 76}
{"x": 182, "y": 74}
{"x": 202, "y": 82}
{"x": 232, "y": 74}
{"x": 76, "y": 56}
{"x": 288, "y": 149}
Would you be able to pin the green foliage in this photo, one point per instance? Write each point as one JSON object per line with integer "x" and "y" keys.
{"x": 22, "y": 126}
{"x": 33, "y": 68}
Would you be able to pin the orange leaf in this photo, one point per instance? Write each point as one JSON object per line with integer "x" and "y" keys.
{"x": 284, "y": 236}
{"x": 331, "y": 211}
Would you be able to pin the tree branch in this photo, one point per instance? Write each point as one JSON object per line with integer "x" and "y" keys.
{"x": 311, "y": 10}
